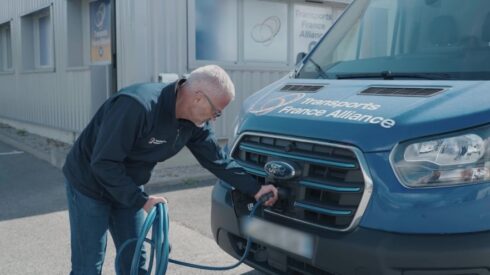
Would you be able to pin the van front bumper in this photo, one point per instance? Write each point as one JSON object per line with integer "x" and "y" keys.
{"x": 361, "y": 251}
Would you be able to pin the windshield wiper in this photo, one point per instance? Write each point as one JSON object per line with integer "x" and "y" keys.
{"x": 388, "y": 75}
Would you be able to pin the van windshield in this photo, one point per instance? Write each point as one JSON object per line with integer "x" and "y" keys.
{"x": 406, "y": 39}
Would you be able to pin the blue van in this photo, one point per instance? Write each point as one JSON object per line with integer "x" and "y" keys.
{"x": 380, "y": 141}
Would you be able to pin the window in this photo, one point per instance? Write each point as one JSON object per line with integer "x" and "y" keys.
{"x": 37, "y": 40}
{"x": 267, "y": 33}
{"x": 43, "y": 40}
{"x": 5, "y": 48}
{"x": 216, "y": 26}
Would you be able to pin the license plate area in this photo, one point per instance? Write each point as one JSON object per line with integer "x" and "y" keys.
{"x": 278, "y": 236}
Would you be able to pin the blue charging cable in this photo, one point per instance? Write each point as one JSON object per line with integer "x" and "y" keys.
{"x": 158, "y": 220}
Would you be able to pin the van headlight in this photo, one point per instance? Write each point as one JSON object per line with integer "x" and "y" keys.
{"x": 447, "y": 160}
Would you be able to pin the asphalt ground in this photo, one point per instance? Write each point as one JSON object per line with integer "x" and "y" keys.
{"x": 34, "y": 229}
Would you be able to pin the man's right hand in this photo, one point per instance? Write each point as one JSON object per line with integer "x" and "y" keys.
{"x": 267, "y": 189}
{"x": 152, "y": 200}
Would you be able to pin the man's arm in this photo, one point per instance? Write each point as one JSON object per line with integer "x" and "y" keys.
{"x": 205, "y": 148}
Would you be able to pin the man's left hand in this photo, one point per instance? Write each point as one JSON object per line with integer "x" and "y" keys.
{"x": 152, "y": 200}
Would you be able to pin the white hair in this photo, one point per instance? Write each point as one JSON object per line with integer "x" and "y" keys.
{"x": 213, "y": 78}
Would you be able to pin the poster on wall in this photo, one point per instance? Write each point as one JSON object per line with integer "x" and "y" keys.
{"x": 100, "y": 32}
{"x": 265, "y": 31}
{"x": 310, "y": 23}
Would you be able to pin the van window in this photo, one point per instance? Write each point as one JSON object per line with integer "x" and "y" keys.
{"x": 431, "y": 39}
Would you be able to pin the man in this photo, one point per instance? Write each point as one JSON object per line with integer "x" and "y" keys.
{"x": 114, "y": 156}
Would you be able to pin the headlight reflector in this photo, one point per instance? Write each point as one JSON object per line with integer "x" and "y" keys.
{"x": 447, "y": 151}
{"x": 459, "y": 158}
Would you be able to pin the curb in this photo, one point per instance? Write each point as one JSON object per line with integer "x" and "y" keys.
{"x": 57, "y": 159}
{"x": 179, "y": 181}
{"x": 51, "y": 157}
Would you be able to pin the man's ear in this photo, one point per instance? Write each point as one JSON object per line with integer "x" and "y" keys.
{"x": 197, "y": 97}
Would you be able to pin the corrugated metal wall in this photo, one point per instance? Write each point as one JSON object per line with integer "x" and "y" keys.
{"x": 151, "y": 38}
{"x": 59, "y": 99}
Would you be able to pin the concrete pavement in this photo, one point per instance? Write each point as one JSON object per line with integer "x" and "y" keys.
{"x": 34, "y": 230}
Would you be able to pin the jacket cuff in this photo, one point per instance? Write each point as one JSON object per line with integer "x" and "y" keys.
{"x": 141, "y": 200}
{"x": 254, "y": 190}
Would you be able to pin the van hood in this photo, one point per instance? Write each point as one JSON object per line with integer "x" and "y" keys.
{"x": 338, "y": 112}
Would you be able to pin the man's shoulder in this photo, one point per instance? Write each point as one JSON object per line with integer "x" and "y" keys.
{"x": 146, "y": 94}
{"x": 144, "y": 90}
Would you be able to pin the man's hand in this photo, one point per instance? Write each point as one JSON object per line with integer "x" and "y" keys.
{"x": 152, "y": 200}
{"x": 264, "y": 190}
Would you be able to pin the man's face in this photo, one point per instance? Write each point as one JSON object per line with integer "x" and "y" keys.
{"x": 207, "y": 107}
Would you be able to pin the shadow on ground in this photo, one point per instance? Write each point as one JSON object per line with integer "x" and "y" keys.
{"x": 29, "y": 186}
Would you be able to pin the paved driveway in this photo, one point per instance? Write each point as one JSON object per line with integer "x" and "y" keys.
{"x": 34, "y": 233}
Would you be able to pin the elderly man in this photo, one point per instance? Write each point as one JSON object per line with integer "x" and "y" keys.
{"x": 113, "y": 158}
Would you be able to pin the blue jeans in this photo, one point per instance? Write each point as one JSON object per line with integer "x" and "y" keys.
{"x": 89, "y": 221}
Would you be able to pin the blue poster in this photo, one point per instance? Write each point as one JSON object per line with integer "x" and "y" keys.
{"x": 100, "y": 32}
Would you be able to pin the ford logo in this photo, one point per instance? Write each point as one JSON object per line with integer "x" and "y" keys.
{"x": 280, "y": 170}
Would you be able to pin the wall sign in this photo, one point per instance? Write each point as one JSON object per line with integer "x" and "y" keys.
{"x": 100, "y": 32}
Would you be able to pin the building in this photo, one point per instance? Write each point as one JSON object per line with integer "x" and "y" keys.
{"x": 60, "y": 59}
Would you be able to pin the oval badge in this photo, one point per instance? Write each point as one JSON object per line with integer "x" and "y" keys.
{"x": 280, "y": 170}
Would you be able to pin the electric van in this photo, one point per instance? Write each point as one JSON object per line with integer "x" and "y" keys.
{"x": 380, "y": 143}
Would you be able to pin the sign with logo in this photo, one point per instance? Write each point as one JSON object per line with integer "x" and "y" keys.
{"x": 265, "y": 31}
{"x": 303, "y": 105}
{"x": 310, "y": 23}
{"x": 100, "y": 32}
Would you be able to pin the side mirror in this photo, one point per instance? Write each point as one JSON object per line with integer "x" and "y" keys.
{"x": 299, "y": 57}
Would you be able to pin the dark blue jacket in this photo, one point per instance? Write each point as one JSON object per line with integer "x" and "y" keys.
{"x": 129, "y": 134}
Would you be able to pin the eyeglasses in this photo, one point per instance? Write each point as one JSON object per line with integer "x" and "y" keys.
{"x": 216, "y": 112}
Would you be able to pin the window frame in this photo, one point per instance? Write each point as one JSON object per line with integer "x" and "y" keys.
{"x": 28, "y": 27}
{"x": 36, "y": 17}
{"x": 4, "y": 49}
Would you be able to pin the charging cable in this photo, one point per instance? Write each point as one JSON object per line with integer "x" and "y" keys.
{"x": 158, "y": 221}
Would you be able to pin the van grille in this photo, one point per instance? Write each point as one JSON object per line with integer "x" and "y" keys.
{"x": 301, "y": 88}
{"x": 401, "y": 91}
{"x": 330, "y": 185}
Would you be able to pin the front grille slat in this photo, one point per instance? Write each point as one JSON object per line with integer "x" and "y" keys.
{"x": 322, "y": 209}
{"x": 300, "y": 147}
{"x": 253, "y": 170}
{"x": 262, "y": 151}
{"x": 329, "y": 187}
{"x": 328, "y": 190}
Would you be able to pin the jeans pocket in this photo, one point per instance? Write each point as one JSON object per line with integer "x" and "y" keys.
{"x": 86, "y": 205}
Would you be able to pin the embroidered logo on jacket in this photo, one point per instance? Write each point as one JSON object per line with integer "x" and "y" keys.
{"x": 156, "y": 141}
